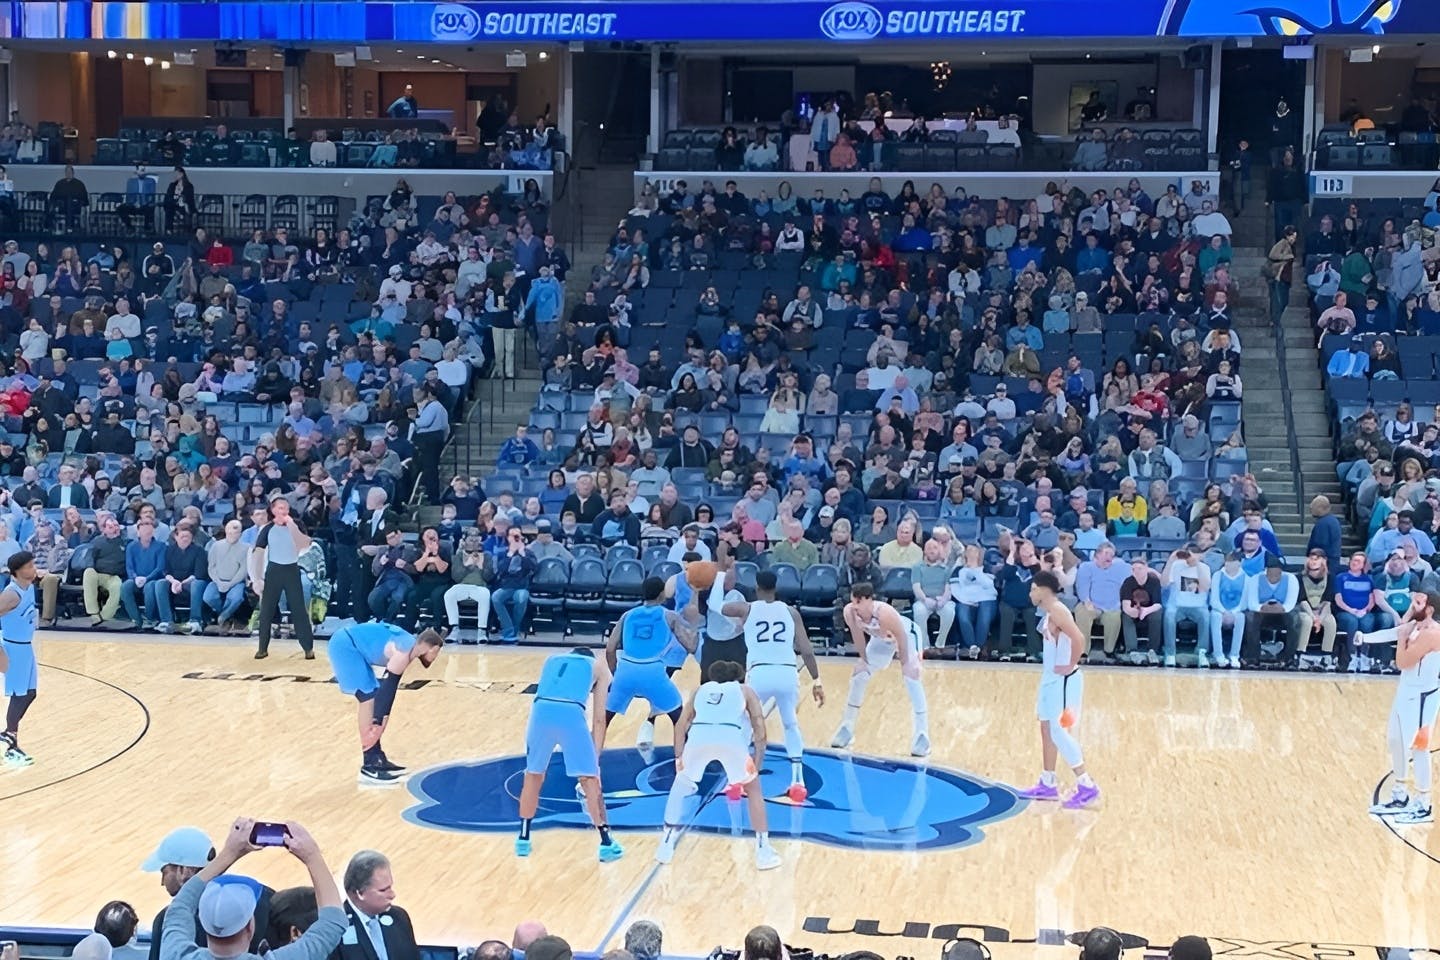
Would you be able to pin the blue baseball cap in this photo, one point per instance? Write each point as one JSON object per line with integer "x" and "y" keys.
{"x": 184, "y": 847}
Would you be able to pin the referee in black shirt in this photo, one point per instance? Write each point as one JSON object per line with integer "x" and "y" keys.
{"x": 275, "y": 569}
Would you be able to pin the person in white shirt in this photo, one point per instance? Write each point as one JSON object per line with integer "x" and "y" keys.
{"x": 34, "y": 342}
{"x": 790, "y": 239}
{"x": 126, "y": 321}
{"x": 689, "y": 542}
{"x": 322, "y": 150}
{"x": 1188, "y": 579}
{"x": 430, "y": 250}
{"x": 1001, "y": 405}
{"x": 1211, "y": 222}
{"x": 395, "y": 284}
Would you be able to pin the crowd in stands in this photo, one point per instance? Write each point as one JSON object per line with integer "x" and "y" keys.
{"x": 1371, "y": 279}
{"x": 162, "y": 394}
{"x": 936, "y": 393}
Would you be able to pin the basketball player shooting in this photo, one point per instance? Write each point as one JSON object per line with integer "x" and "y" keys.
{"x": 1058, "y": 702}
{"x": 1412, "y": 715}
{"x": 17, "y": 653}
{"x": 774, "y": 635}
{"x": 720, "y": 724}
{"x": 355, "y": 651}
{"x": 879, "y": 633}
{"x": 635, "y": 654}
{"x": 557, "y": 719}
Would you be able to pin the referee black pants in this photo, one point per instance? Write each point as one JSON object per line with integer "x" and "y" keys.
{"x": 428, "y": 447}
{"x": 283, "y": 579}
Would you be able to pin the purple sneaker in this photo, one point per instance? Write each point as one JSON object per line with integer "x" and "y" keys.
{"x": 1041, "y": 791}
{"x": 1082, "y": 798}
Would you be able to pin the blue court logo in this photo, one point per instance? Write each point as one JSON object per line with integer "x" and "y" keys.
{"x": 851, "y": 20}
{"x": 1285, "y": 18}
{"x": 862, "y": 802}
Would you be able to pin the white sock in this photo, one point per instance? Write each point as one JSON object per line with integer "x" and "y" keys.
{"x": 762, "y": 839}
{"x": 858, "y": 683}
{"x": 1422, "y": 800}
{"x": 797, "y": 770}
{"x": 1048, "y": 778}
{"x": 916, "y": 691}
{"x": 1420, "y": 761}
{"x": 1085, "y": 780}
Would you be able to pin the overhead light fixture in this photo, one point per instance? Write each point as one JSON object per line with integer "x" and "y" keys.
{"x": 1375, "y": 48}
{"x": 515, "y": 58}
{"x": 111, "y": 54}
{"x": 149, "y": 61}
{"x": 164, "y": 64}
{"x": 434, "y": 61}
{"x": 543, "y": 55}
{"x": 129, "y": 56}
{"x": 419, "y": 56}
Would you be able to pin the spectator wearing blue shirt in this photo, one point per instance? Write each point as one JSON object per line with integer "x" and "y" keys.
{"x": 1352, "y": 362}
{"x": 1092, "y": 259}
{"x": 404, "y": 106}
{"x": 144, "y": 574}
{"x": 1024, "y": 332}
{"x": 1354, "y": 597}
{"x": 1023, "y": 255}
{"x": 912, "y": 238}
{"x": 803, "y": 462}
{"x": 1325, "y": 532}
{"x": 519, "y": 450}
{"x": 1387, "y": 541}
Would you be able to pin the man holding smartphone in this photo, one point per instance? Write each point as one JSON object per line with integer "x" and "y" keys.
{"x": 226, "y": 908}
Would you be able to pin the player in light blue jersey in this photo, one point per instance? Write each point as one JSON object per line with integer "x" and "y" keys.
{"x": 17, "y": 653}
{"x": 355, "y": 652}
{"x": 635, "y": 653}
{"x": 568, "y": 682}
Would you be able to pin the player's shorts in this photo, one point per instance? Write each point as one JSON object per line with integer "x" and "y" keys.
{"x": 352, "y": 670}
{"x": 646, "y": 681}
{"x": 560, "y": 723}
{"x": 674, "y": 655}
{"x": 733, "y": 649}
{"x": 879, "y": 652}
{"x": 725, "y": 744}
{"x": 1058, "y": 694}
{"x": 1414, "y": 709}
{"x": 22, "y": 673}
{"x": 778, "y": 682}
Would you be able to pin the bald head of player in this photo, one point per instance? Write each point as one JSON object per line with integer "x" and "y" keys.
{"x": 765, "y": 584}
{"x": 725, "y": 671}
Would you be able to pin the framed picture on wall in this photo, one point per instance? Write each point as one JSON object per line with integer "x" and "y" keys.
{"x": 1092, "y": 102}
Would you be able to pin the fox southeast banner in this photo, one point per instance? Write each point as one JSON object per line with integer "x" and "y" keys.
{"x": 839, "y": 22}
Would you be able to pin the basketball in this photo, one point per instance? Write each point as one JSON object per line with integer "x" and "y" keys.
{"x": 701, "y": 574}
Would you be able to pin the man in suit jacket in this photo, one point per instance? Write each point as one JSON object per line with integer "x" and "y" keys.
{"x": 378, "y": 930}
{"x": 78, "y": 496}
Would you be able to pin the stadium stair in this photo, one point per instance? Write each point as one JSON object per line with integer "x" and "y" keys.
{"x": 1266, "y": 400}
{"x": 600, "y": 197}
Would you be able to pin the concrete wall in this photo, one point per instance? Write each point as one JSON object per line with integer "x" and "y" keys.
{"x": 357, "y": 184}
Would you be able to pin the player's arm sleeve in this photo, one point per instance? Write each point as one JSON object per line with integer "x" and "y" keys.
{"x": 385, "y": 695}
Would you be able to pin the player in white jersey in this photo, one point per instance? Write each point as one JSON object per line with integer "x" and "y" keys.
{"x": 1412, "y": 716}
{"x": 719, "y": 725}
{"x": 1061, "y": 690}
{"x": 879, "y": 633}
{"x": 774, "y": 633}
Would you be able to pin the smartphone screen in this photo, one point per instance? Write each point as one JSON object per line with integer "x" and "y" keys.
{"x": 268, "y": 834}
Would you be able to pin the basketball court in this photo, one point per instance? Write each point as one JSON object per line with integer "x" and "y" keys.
{"x": 1233, "y": 807}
